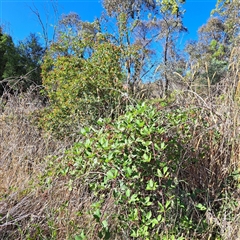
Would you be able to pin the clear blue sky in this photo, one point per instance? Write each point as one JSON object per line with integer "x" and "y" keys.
{"x": 19, "y": 20}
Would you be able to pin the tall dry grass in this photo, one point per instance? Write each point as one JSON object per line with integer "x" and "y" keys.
{"x": 24, "y": 151}
{"x": 214, "y": 172}
{"x": 220, "y": 172}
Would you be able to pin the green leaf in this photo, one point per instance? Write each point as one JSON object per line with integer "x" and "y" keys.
{"x": 109, "y": 157}
{"x": 167, "y": 204}
{"x": 154, "y": 222}
{"x": 105, "y": 224}
{"x": 159, "y": 173}
{"x": 147, "y": 143}
{"x": 146, "y": 158}
{"x": 128, "y": 192}
{"x": 156, "y": 146}
{"x": 104, "y": 142}
{"x": 134, "y": 198}
{"x": 85, "y": 130}
{"x": 97, "y": 215}
{"x": 129, "y": 172}
{"x": 165, "y": 169}
{"x": 112, "y": 174}
{"x": 147, "y": 201}
{"x": 80, "y": 237}
{"x": 159, "y": 218}
{"x": 149, "y": 215}
{"x": 201, "y": 207}
{"x": 151, "y": 185}
{"x": 134, "y": 234}
{"x": 144, "y": 131}
{"x": 161, "y": 208}
{"x": 163, "y": 145}
{"x": 140, "y": 123}
{"x": 88, "y": 143}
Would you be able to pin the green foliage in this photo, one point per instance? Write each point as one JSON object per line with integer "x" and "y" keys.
{"x": 83, "y": 81}
{"x": 20, "y": 60}
{"x": 228, "y": 11}
{"x": 8, "y": 58}
{"x": 135, "y": 164}
{"x": 31, "y": 55}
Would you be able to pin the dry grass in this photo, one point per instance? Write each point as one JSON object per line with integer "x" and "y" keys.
{"x": 38, "y": 203}
{"x": 35, "y": 203}
{"x": 23, "y": 154}
{"x": 220, "y": 109}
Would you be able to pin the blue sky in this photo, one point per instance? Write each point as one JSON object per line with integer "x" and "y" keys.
{"x": 19, "y": 20}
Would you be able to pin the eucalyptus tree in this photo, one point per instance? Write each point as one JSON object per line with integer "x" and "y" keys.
{"x": 141, "y": 25}
{"x": 229, "y": 12}
{"x": 170, "y": 27}
{"x": 209, "y": 55}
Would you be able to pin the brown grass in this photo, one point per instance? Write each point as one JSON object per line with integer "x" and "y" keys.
{"x": 212, "y": 172}
{"x": 36, "y": 202}
{"x": 23, "y": 155}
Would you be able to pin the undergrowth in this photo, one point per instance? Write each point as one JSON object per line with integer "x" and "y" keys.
{"x": 162, "y": 170}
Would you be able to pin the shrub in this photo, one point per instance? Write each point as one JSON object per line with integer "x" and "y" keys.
{"x": 147, "y": 173}
{"x": 80, "y": 89}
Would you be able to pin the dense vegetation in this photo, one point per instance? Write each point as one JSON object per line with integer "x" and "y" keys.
{"x": 103, "y": 136}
